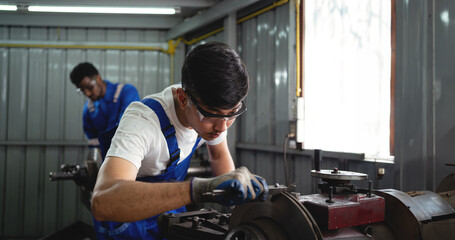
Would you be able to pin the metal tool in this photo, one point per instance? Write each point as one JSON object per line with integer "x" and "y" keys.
{"x": 273, "y": 189}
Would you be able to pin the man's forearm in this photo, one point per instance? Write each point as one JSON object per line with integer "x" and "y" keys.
{"x": 127, "y": 201}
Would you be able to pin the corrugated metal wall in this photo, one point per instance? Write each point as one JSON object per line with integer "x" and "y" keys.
{"x": 443, "y": 88}
{"x": 264, "y": 43}
{"x": 425, "y": 116}
{"x": 40, "y": 118}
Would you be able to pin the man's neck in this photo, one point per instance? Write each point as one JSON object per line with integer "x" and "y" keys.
{"x": 103, "y": 87}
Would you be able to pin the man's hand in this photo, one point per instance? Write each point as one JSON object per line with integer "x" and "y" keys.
{"x": 239, "y": 186}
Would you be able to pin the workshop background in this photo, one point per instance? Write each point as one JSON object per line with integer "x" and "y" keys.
{"x": 40, "y": 111}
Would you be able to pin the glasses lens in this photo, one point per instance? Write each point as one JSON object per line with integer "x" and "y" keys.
{"x": 213, "y": 118}
{"x": 205, "y": 116}
{"x": 90, "y": 87}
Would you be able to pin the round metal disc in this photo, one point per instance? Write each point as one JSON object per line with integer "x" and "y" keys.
{"x": 287, "y": 214}
{"x": 339, "y": 175}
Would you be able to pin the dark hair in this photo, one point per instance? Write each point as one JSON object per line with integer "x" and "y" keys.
{"x": 81, "y": 71}
{"x": 215, "y": 74}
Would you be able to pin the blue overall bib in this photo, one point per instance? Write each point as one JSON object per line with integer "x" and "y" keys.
{"x": 147, "y": 228}
{"x": 105, "y": 113}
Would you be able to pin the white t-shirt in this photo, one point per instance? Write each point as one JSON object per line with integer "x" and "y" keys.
{"x": 139, "y": 138}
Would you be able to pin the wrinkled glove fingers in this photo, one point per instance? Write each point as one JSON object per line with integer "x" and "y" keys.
{"x": 235, "y": 192}
{"x": 261, "y": 188}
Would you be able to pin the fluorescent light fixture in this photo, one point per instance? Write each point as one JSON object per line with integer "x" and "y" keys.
{"x": 8, "y": 8}
{"x": 121, "y": 10}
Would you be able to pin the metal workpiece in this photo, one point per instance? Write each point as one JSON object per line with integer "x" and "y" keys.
{"x": 418, "y": 214}
{"x": 282, "y": 217}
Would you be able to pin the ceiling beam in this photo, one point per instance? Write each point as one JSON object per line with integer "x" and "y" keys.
{"x": 214, "y": 13}
{"x": 90, "y": 20}
{"x": 142, "y": 3}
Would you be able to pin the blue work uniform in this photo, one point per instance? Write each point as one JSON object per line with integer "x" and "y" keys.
{"x": 105, "y": 113}
{"x": 148, "y": 228}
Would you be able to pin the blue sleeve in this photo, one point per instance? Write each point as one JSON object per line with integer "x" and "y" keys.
{"x": 89, "y": 130}
{"x": 129, "y": 94}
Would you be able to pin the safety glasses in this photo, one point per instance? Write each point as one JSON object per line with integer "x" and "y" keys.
{"x": 89, "y": 87}
{"x": 205, "y": 116}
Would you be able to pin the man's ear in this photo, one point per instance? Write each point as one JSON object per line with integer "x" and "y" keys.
{"x": 99, "y": 79}
{"x": 182, "y": 98}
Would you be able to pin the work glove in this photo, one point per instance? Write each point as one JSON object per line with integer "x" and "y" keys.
{"x": 232, "y": 188}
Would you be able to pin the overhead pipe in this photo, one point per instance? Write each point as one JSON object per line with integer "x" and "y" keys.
{"x": 252, "y": 15}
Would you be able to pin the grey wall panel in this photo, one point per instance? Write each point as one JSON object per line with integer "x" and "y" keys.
{"x": 424, "y": 94}
{"x": 249, "y": 53}
{"x": 55, "y": 86}
{"x": 32, "y": 191}
{"x": 410, "y": 145}
{"x": 50, "y": 198}
{"x": 444, "y": 89}
{"x": 96, "y": 57}
{"x": 178, "y": 62}
{"x": 2, "y": 186}
{"x": 95, "y": 35}
{"x": 280, "y": 78}
{"x": 264, "y": 92}
{"x": 163, "y": 80}
{"x": 247, "y": 159}
{"x": 17, "y": 94}
{"x": 16, "y": 130}
{"x": 132, "y": 68}
{"x": 18, "y": 33}
{"x": 4, "y": 32}
{"x": 14, "y": 191}
{"x": 281, "y": 87}
{"x": 150, "y": 78}
{"x": 267, "y": 98}
{"x": 4, "y": 62}
{"x": 38, "y": 33}
{"x": 247, "y": 124}
{"x": 113, "y": 64}
{"x": 36, "y": 116}
{"x": 36, "y": 94}
{"x": 73, "y": 102}
{"x": 132, "y": 35}
{"x": 115, "y": 35}
{"x": 39, "y": 104}
{"x": 3, "y": 126}
{"x": 301, "y": 167}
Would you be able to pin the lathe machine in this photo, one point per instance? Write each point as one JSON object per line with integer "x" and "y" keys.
{"x": 339, "y": 211}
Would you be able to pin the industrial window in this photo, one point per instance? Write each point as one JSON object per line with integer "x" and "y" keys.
{"x": 348, "y": 76}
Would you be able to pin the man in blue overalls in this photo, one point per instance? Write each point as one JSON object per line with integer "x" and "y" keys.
{"x": 150, "y": 153}
{"x": 107, "y": 101}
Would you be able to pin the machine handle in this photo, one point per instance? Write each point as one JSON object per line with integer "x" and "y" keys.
{"x": 55, "y": 176}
